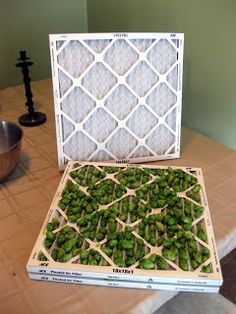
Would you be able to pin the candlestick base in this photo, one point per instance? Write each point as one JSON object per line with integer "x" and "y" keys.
{"x": 32, "y": 119}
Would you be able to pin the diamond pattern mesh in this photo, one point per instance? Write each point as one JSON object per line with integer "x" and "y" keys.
{"x": 141, "y": 122}
{"x": 142, "y": 78}
{"x": 121, "y": 143}
{"x": 160, "y": 140}
{"x": 121, "y": 102}
{"x": 73, "y": 147}
{"x": 75, "y": 58}
{"x": 100, "y": 125}
{"x": 64, "y": 82}
{"x": 142, "y": 44}
{"x": 99, "y": 80}
{"x": 79, "y": 109}
{"x": 117, "y": 98}
{"x": 120, "y": 56}
{"x": 161, "y": 99}
{"x": 166, "y": 53}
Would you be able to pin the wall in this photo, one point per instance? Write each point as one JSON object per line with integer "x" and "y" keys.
{"x": 25, "y": 25}
{"x": 209, "y": 99}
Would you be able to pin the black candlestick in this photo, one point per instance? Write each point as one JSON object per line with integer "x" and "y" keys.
{"x": 32, "y": 118}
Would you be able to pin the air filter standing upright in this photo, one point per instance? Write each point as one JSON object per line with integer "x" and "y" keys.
{"x": 117, "y": 96}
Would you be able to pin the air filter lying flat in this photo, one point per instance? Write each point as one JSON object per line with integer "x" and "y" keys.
{"x": 134, "y": 226}
{"x": 117, "y": 96}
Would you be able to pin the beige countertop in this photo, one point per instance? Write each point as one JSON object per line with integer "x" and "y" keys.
{"x": 26, "y": 196}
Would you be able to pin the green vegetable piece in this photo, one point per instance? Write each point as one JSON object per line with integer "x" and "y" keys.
{"x": 82, "y": 222}
{"x": 112, "y": 226}
{"x": 160, "y": 241}
{"x": 100, "y": 236}
{"x": 97, "y": 257}
{"x": 71, "y": 235}
{"x": 194, "y": 264}
{"x": 140, "y": 252}
{"x": 54, "y": 254}
{"x": 201, "y": 234}
{"x": 48, "y": 243}
{"x": 42, "y": 257}
{"x": 147, "y": 264}
{"x": 133, "y": 218}
{"x": 205, "y": 254}
{"x": 93, "y": 262}
{"x": 192, "y": 244}
{"x": 69, "y": 245}
{"x": 152, "y": 258}
{"x": 196, "y": 188}
{"x": 169, "y": 254}
{"x": 118, "y": 254}
{"x": 183, "y": 264}
{"x": 113, "y": 243}
{"x": 127, "y": 244}
{"x": 140, "y": 242}
{"x": 80, "y": 242}
{"x": 168, "y": 243}
{"x": 84, "y": 261}
{"x": 62, "y": 256}
{"x": 183, "y": 254}
{"x": 197, "y": 256}
{"x": 186, "y": 220}
{"x": 130, "y": 261}
{"x": 153, "y": 241}
{"x": 187, "y": 227}
{"x": 75, "y": 251}
{"x": 72, "y": 218}
{"x": 50, "y": 236}
{"x": 108, "y": 251}
{"x": 84, "y": 254}
{"x": 161, "y": 263}
{"x": 119, "y": 262}
{"x": 198, "y": 211}
{"x": 161, "y": 203}
{"x": 207, "y": 269}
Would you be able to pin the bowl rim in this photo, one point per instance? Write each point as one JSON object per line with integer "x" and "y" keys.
{"x": 20, "y": 138}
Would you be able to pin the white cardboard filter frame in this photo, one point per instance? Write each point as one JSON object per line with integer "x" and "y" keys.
{"x": 174, "y": 276}
{"x": 117, "y": 96}
{"x": 124, "y": 284}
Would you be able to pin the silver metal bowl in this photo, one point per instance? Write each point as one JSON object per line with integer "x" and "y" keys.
{"x": 10, "y": 147}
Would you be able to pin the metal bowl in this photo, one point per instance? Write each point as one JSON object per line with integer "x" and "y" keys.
{"x": 10, "y": 147}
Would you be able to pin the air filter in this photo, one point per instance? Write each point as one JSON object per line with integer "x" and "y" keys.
{"x": 117, "y": 96}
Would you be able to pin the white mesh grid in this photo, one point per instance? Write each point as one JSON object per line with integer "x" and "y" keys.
{"x": 162, "y": 56}
{"x": 161, "y": 99}
{"x": 120, "y": 56}
{"x": 97, "y": 45}
{"x": 121, "y": 143}
{"x": 79, "y": 109}
{"x": 65, "y": 83}
{"x": 121, "y": 102}
{"x": 171, "y": 119}
{"x": 142, "y": 44}
{"x": 75, "y": 58}
{"x": 172, "y": 78}
{"x": 141, "y": 117}
{"x": 68, "y": 127}
{"x": 75, "y": 151}
{"x": 142, "y": 78}
{"x": 100, "y": 125}
{"x": 160, "y": 140}
{"x": 117, "y": 96}
{"x": 99, "y": 80}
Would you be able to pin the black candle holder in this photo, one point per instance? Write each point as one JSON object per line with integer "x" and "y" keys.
{"x": 32, "y": 118}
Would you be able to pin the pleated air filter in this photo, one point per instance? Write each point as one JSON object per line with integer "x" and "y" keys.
{"x": 117, "y": 96}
